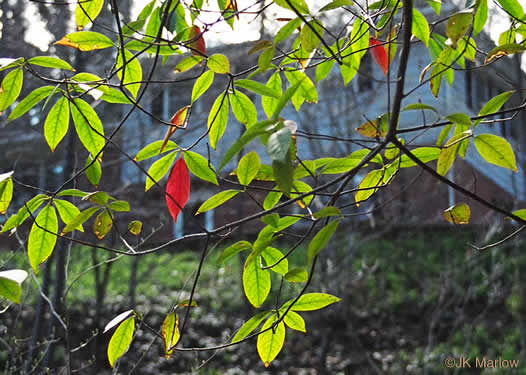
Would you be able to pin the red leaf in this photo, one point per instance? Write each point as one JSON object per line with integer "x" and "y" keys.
{"x": 178, "y": 188}
{"x": 197, "y": 42}
{"x": 379, "y": 53}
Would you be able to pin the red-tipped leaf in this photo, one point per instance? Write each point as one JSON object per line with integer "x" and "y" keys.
{"x": 379, "y": 54}
{"x": 197, "y": 42}
{"x": 178, "y": 120}
{"x": 178, "y": 188}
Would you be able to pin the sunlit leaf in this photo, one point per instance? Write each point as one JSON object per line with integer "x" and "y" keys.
{"x": 188, "y": 63}
{"x": 256, "y": 281}
{"x": 80, "y": 219}
{"x": 271, "y": 341}
{"x": 243, "y": 108}
{"x": 458, "y": 214}
{"x": 312, "y": 301}
{"x": 154, "y": 149}
{"x": 272, "y": 256}
{"x": 250, "y": 325}
{"x": 449, "y": 153}
{"x": 23, "y": 213}
{"x": 170, "y": 333}
{"x": 43, "y": 237}
{"x": 117, "y": 320}
{"x": 57, "y": 123}
{"x": 120, "y": 340}
{"x": 218, "y": 63}
{"x": 335, "y": 4}
{"x": 294, "y": 321}
{"x": 129, "y": 71}
{"x": 135, "y": 227}
{"x": 6, "y": 192}
{"x": 294, "y": 5}
{"x": 248, "y": 168}
{"x": 86, "y": 12}
{"x": 35, "y": 97}
{"x": 379, "y": 54}
{"x": 232, "y": 250}
{"x": 86, "y": 41}
{"x": 103, "y": 224}
{"x": 494, "y": 104}
{"x": 481, "y": 16}
{"x": 496, "y": 150}
{"x": 200, "y": 167}
{"x": 159, "y": 169}
{"x": 257, "y": 88}
{"x": 322, "y": 238}
{"x": 218, "y": 119}
{"x": 11, "y": 284}
{"x": 217, "y": 200}
{"x": 89, "y": 127}
{"x": 420, "y": 27}
{"x": 369, "y": 185}
{"x": 10, "y": 89}
{"x": 50, "y": 62}
{"x": 513, "y": 7}
{"x": 68, "y": 212}
{"x": 202, "y": 84}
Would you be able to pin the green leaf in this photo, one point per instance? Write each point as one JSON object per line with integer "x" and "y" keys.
{"x": 248, "y": 168}
{"x": 481, "y": 16}
{"x": 200, "y": 167}
{"x": 43, "y": 237}
{"x": 243, "y": 108}
{"x": 294, "y": 321}
{"x": 93, "y": 171}
{"x": 98, "y": 197}
{"x": 420, "y": 27}
{"x": 120, "y": 340}
{"x": 135, "y": 227}
{"x": 458, "y": 25}
{"x": 249, "y": 326}
{"x": 170, "y": 333}
{"x": 369, "y": 185}
{"x": 232, "y": 250}
{"x": 218, "y": 119}
{"x": 419, "y": 107}
{"x": 188, "y": 63}
{"x": 68, "y": 212}
{"x": 202, "y": 84}
{"x": 270, "y": 103}
{"x": 103, "y": 224}
{"x": 271, "y": 255}
{"x": 159, "y": 169}
{"x": 309, "y": 39}
{"x": 297, "y": 275}
{"x": 287, "y": 30}
{"x": 86, "y": 41}
{"x": 87, "y": 11}
{"x": 305, "y": 91}
{"x": 458, "y": 214}
{"x": 6, "y": 193}
{"x": 129, "y": 71}
{"x": 72, "y": 193}
{"x": 29, "y": 208}
{"x": 425, "y": 154}
{"x": 256, "y": 281}
{"x": 257, "y": 88}
{"x": 284, "y": 99}
{"x": 218, "y": 63}
{"x": 115, "y": 96}
{"x": 11, "y": 284}
{"x": 89, "y": 127}
{"x": 513, "y": 7}
{"x": 296, "y": 5}
{"x": 460, "y": 118}
{"x": 444, "y": 134}
{"x": 35, "y": 97}
{"x": 323, "y": 70}
{"x": 335, "y": 4}
{"x": 272, "y": 199}
{"x": 10, "y": 89}
{"x": 50, "y": 62}
{"x": 449, "y": 153}
{"x": 217, "y": 200}
{"x": 133, "y": 27}
{"x": 120, "y": 206}
{"x": 496, "y": 150}
{"x": 327, "y": 212}
{"x": 80, "y": 219}
{"x": 494, "y": 104}
{"x": 278, "y": 144}
{"x": 312, "y": 301}
{"x": 283, "y": 172}
{"x": 322, "y": 238}
{"x": 271, "y": 341}
{"x": 153, "y": 149}
{"x": 57, "y": 123}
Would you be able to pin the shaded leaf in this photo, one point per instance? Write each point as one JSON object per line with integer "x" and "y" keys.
{"x": 135, "y": 227}
{"x": 10, "y": 284}
{"x": 232, "y": 250}
{"x": 322, "y": 238}
{"x": 297, "y": 275}
{"x": 458, "y": 214}
{"x": 103, "y": 224}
